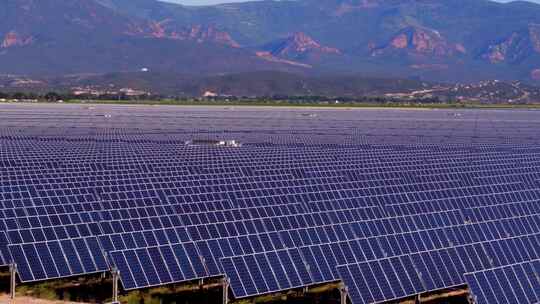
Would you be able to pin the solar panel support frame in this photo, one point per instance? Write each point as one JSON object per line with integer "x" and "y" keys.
{"x": 115, "y": 278}
{"x": 344, "y": 293}
{"x": 12, "y": 280}
{"x": 226, "y": 285}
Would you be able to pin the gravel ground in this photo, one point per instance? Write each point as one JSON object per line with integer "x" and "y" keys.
{"x": 4, "y": 298}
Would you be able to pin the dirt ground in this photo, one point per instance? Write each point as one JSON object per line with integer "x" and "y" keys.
{"x": 4, "y": 299}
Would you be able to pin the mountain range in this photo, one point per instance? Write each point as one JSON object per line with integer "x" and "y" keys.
{"x": 427, "y": 40}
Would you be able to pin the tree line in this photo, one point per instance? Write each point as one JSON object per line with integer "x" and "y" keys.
{"x": 58, "y": 96}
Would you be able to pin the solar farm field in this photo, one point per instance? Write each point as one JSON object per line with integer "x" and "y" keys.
{"x": 384, "y": 205}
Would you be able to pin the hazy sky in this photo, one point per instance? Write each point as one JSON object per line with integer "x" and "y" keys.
{"x": 207, "y": 2}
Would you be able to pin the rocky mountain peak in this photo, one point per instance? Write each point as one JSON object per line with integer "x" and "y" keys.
{"x": 299, "y": 44}
{"x": 13, "y": 39}
{"x": 534, "y": 34}
{"x": 515, "y": 47}
{"x": 203, "y": 34}
{"x": 196, "y": 33}
{"x": 421, "y": 41}
{"x": 535, "y": 74}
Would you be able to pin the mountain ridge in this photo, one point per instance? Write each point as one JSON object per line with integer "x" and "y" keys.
{"x": 448, "y": 41}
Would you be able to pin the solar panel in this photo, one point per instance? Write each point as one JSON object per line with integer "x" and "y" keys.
{"x": 5, "y": 256}
{"x": 266, "y": 272}
{"x": 383, "y": 279}
{"x": 58, "y": 259}
{"x": 153, "y": 266}
{"x": 517, "y": 283}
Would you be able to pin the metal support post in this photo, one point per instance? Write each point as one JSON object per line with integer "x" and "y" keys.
{"x": 13, "y": 280}
{"x": 344, "y": 293}
{"x": 115, "y": 279}
{"x": 226, "y": 285}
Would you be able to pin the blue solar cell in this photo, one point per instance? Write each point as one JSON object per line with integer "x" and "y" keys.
{"x": 250, "y": 275}
{"x": 301, "y": 267}
{"x": 184, "y": 262}
{"x": 506, "y": 284}
{"x": 46, "y": 260}
{"x": 313, "y": 265}
{"x": 84, "y": 255}
{"x": 72, "y": 257}
{"x": 435, "y": 271}
{"x": 394, "y": 282}
{"x": 372, "y": 283}
{"x": 177, "y": 274}
{"x": 279, "y": 271}
{"x": 290, "y": 269}
{"x": 523, "y": 286}
{"x": 32, "y": 256}
{"x": 148, "y": 268}
{"x": 267, "y": 271}
{"x": 96, "y": 253}
{"x": 405, "y": 278}
{"x": 61, "y": 264}
{"x": 209, "y": 260}
{"x": 196, "y": 260}
{"x": 126, "y": 277}
{"x": 23, "y": 268}
{"x": 235, "y": 280}
{"x": 136, "y": 269}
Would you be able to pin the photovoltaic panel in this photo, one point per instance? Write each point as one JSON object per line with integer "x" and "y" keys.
{"x": 212, "y": 250}
{"x": 58, "y": 259}
{"x": 266, "y": 272}
{"x": 517, "y": 283}
{"x": 5, "y": 256}
{"x": 153, "y": 266}
{"x": 383, "y": 279}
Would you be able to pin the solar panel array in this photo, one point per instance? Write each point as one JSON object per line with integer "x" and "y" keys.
{"x": 516, "y": 283}
{"x": 391, "y": 202}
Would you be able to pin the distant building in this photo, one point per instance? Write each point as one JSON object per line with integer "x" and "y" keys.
{"x": 210, "y": 94}
{"x": 133, "y": 92}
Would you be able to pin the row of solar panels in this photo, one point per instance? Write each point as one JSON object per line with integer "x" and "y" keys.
{"x": 458, "y": 197}
{"x": 380, "y": 279}
{"x": 17, "y": 218}
{"x": 319, "y": 170}
{"x": 108, "y": 215}
{"x": 235, "y": 228}
{"x": 40, "y": 228}
{"x": 206, "y": 254}
{"x": 343, "y": 180}
{"x": 42, "y": 181}
{"x": 517, "y": 283}
{"x": 407, "y": 275}
{"x": 231, "y": 164}
{"x": 191, "y": 167}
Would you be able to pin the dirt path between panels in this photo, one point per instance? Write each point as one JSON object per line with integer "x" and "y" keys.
{"x": 4, "y": 299}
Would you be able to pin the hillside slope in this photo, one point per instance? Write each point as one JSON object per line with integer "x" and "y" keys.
{"x": 83, "y": 36}
{"x": 458, "y": 40}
